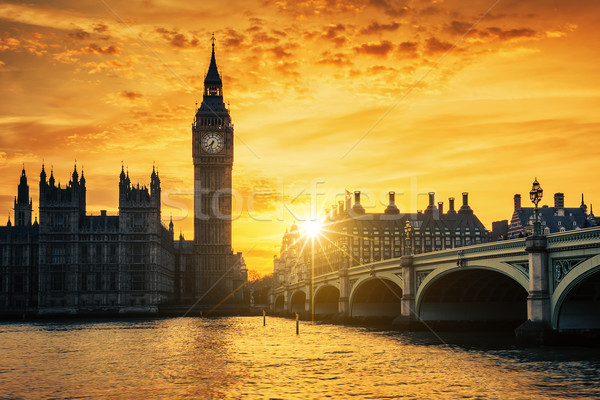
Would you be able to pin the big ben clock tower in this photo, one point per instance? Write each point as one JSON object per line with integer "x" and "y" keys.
{"x": 212, "y": 150}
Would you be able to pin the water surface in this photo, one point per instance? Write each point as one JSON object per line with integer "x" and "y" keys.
{"x": 237, "y": 357}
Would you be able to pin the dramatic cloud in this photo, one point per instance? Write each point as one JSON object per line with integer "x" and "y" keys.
{"x": 376, "y": 27}
{"x": 79, "y": 35}
{"x": 333, "y": 33}
{"x": 511, "y": 33}
{"x": 378, "y": 49}
{"x": 408, "y": 49}
{"x": 325, "y": 94}
{"x": 176, "y": 39}
{"x": 131, "y": 95}
{"x": 435, "y": 45}
{"x": 95, "y": 49}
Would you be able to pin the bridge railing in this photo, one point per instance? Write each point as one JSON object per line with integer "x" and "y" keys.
{"x": 579, "y": 235}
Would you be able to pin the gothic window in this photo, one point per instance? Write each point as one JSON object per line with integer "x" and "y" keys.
{"x": 58, "y": 255}
{"x": 18, "y": 283}
{"x": 113, "y": 253}
{"x": 57, "y": 281}
{"x": 137, "y": 222}
{"x": 137, "y": 281}
{"x": 138, "y": 253}
{"x": 84, "y": 254}
{"x": 99, "y": 253}
{"x": 83, "y": 282}
{"x": 98, "y": 281}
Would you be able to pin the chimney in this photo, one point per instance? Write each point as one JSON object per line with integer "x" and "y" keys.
{"x": 348, "y": 201}
{"x": 391, "y": 208}
{"x": 431, "y": 207}
{"x": 559, "y": 201}
{"x": 103, "y": 213}
{"x": 465, "y": 209}
{"x": 451, "y": 206}
{"x": 441, "y": 207}
{"x": 341, "y": 207}
{"x": 518, "y": 202}
{"x": 357, "y": 208}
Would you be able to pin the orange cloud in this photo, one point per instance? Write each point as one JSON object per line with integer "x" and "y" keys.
{"x": 95, "y": 49}
{"x": 131, "y": 95}
{"x": 376, "y": 27}
{"x": 435, "y": 45}
{"x": 378, "y": 49}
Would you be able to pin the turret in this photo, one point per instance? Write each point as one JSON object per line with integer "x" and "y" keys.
{"x": 75, "y": 177}
{"x": 23, "y": 205}
{"x": 51, "y": 181}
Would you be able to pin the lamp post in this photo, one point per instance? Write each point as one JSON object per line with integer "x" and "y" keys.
{"x": 407, "y": 244}
{"x": 535, "y": 195}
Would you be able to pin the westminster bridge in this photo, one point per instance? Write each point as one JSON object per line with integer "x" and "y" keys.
{"x": 549, "y": 282}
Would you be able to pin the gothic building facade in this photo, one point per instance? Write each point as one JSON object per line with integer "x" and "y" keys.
{"x": 209, "y": 271}
{"x": 74, "y": 263}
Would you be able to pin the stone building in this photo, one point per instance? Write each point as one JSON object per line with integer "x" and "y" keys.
{"x": 552, "y": 219}
{"x": 19, "y": 256}
{"x": 74, "y": 263}
{"x": 351, "y": 237}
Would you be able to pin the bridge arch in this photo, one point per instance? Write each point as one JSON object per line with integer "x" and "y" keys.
{"x": 576, "y": 299}
{"x": 487, "y": 292}
{"x": 279, "y": 304}
{"x": 326, "y": 300}
{"x": 298, "y": 301}
{"x": 376, "y": 296}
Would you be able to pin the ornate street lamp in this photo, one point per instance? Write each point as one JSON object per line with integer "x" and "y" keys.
{"x": 535, "y": 195}
{"x": 407, "y": 238}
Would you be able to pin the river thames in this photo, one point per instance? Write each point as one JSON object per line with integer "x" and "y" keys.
{"x": 238, "y": 357}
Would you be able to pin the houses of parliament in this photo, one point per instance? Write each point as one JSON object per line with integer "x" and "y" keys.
{"x": 70, "y": 262}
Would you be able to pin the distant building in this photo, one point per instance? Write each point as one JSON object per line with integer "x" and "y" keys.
{"x": 353, "y": 237}
{"x": 552, "y": 219}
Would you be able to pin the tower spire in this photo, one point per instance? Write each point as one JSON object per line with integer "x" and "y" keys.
{"x": 212, "y": 83}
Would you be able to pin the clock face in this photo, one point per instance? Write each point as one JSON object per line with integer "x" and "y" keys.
{"x": 212, "y": 142}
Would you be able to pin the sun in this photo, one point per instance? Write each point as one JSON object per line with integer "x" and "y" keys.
{"x": 312, "y": 227}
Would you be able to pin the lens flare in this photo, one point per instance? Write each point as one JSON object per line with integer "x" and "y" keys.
{"x": 312, "y": 227}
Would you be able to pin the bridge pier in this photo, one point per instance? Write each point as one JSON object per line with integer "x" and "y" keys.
{"x": 344, "y": 302}
{"x": 286, "y": 300}
{"x": 407, "y": 317}
{"x": 309, "y": 296}
{"x": 538, "y": 327}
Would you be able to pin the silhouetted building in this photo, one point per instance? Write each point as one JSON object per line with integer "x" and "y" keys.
{"x": 351, "y": 237}
{"x": 208, "y": 270}
{"x": 73, "y": 263}
{"x": 552, "y": 219}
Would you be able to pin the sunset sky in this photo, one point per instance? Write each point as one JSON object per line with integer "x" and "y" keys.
{"x": 414, "y": 96}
